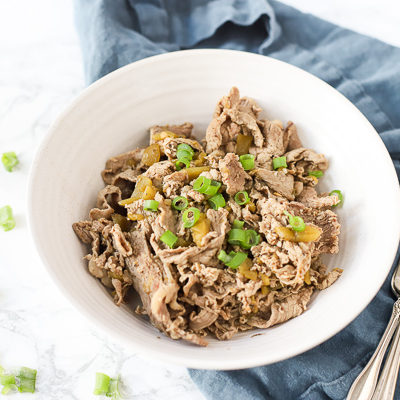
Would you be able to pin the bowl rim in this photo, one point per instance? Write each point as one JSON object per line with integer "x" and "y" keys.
{"x": 200, "y": 363}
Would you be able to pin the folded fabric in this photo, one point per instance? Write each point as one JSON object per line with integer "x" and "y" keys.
{"x": 114, "y": 33}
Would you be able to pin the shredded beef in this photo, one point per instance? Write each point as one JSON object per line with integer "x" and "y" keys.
{"x": 187, "y": 289}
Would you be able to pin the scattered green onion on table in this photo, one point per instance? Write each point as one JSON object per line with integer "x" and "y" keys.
{"x": 7, "y": 221}
{"x": 106, "y": 386}
{"x": 9, "y": 160}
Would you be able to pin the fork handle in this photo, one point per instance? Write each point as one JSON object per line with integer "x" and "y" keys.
{"x": 388, "y": 378}
{"x": 364, "y": 386}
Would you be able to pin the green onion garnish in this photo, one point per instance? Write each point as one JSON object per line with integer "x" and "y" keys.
{"x": 206, "y": 186}
{"x": 222, "y": 256}
{"x": 102, "y": 384}
{"x": 236, "y": 259}
{"x": 180, "y": 203}
{"x": 201, "y": 183}
{"x": 169, "y": 239}
{"x": 237, "y": 237}
{"x": 7, "y": 221}
{"x": 7, "y": 380}
{"x": 279, "y": 162}
{"x": 26, "y": 380}
{"x": 185, "y": 147}
{"x": 233, "y": 259}
{"x": 9, "y": 160}
{"x": 150, "y": 205}
{"x": 297, "y": 223}
{"x": 252, "y": 239}
{"x": 212, "y": 188}
{"x": 317, "y": 174}
{"x": 113, "y": 390}
{"x": 190, "y": 217}
{"x": 9, "y": 388}
{"x": 184, "y": 154}
{"x": 243, "y": 238}
{"x": 182, "y": 163}
{"x": 237, "y": 224}
{"x": 339, "y": 194}
{"x": 242, "y": 198}
{"x": 247, "y": 161}
{"x": 217, "y": 201}
{"x": 106, "y": 386}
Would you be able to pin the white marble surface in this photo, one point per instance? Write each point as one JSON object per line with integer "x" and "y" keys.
{"x": 40, "y": 73}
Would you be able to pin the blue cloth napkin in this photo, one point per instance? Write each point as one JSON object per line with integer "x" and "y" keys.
{"x": 117, "y": 32}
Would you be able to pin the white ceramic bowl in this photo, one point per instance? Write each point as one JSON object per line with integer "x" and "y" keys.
{"x": 112, "y": 116}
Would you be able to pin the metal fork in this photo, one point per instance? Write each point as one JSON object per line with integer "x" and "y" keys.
{"x": 364, "y": 387}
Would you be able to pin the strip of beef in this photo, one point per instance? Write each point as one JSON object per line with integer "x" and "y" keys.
{"x": 291, "y": 139}
{"x": 277, "y": 181}
{"x": 212, "y": 243}
{"x": 326, "y": 220}
{"x": 120, "y": 163}
{"x": 233, "y": 174}
{"x": 156, "y": 286}
{"x": 184, "y": 130}
{"x": 281, "y": 311}
{"x": 231, "y": 117}
{"x": 107, "y": 201}
{"x": 158, "y": 171}
{"x": 309, "y": 197}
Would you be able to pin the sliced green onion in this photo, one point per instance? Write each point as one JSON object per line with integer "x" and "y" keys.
{"x": 9, "y": 160}
{"x": 113, "y": 390}
{"x": 184, "y": 154}
{"x": 223, "y": 256}
{"x": 201, "y": 184}
{"x": 339, "y": 194}
{"x": 252, "y": 239}
{"x": 102, "y": 384}
{"x": 190, "y": 217}
{"x": 212, "y": 188}
{"x": 236, "y": 259}
{"x": 238, "y": 224}
{"x": 7, "y": 380}
{"x": 27, "y": 380}
{"x": 247, "y": 161}
{"x": 317, "y": 174}
{"x": 297, "y": 223}
{"x": 182, "y": 163}
{"x": 180, "y": 203}
{"x": 237, "y": 237}
{"x": 169, "y": 239}
{"x": 106, "y": 386}
{"x": 7, "y": 389}
{"x": 185, "y": 147}
{"x": 233, "y": 259}
{"x": 150, "y": 205}
{"x": 217, "y": 201}
{"x": 242, "y": 198}
{"x": 279, "y": 162}
{"x": 7, "y": 221}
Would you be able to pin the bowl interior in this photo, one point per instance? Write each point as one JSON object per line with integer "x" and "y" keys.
{"x": 113, "y": 115}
